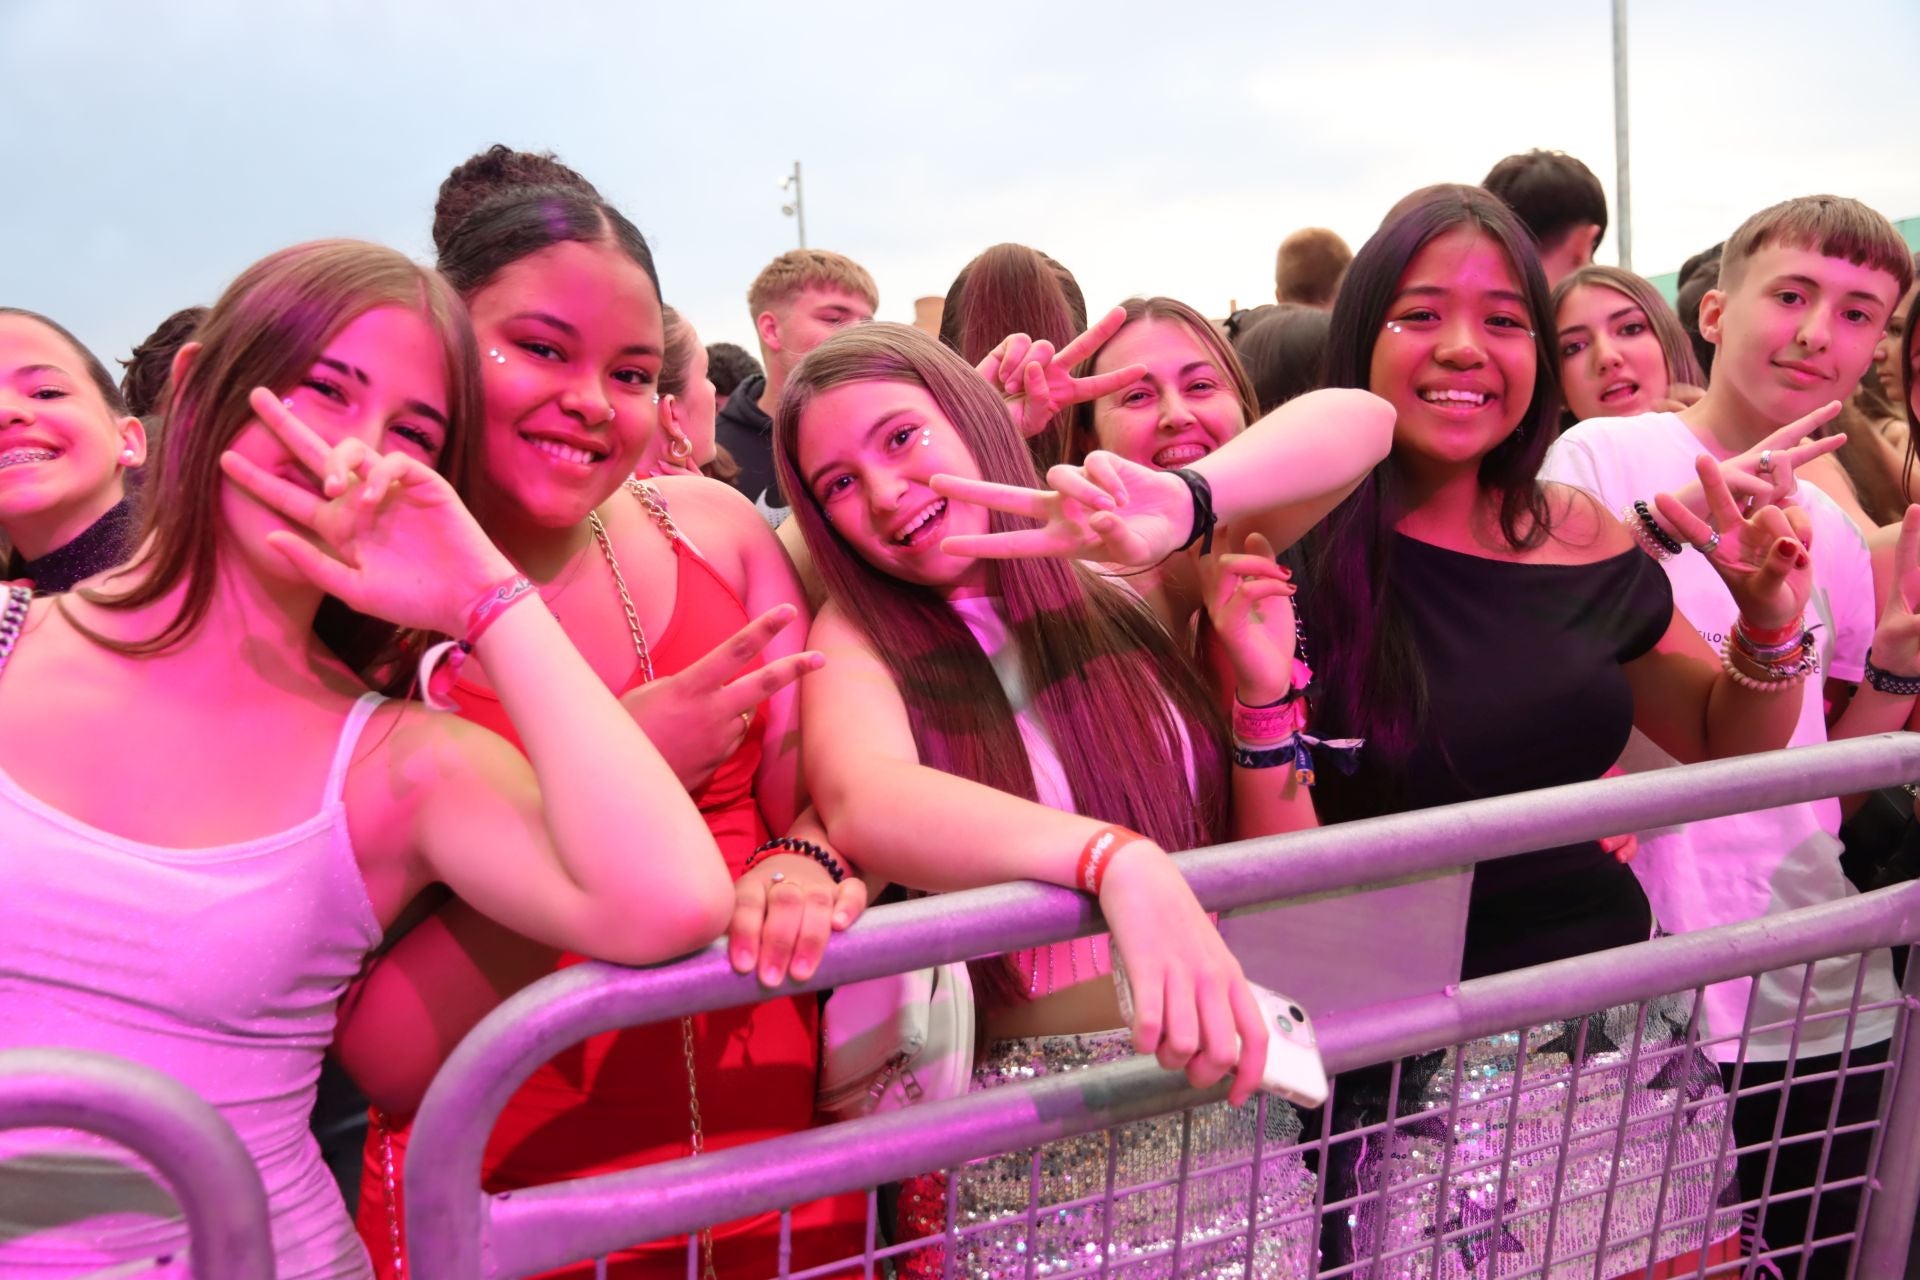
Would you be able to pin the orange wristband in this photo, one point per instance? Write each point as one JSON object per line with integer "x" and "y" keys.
{"x": 1092, "y": 871}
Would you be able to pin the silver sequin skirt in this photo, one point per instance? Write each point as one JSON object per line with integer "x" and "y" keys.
{"x": 1069, "y": 1236}
{"x": 1660, "y": 1119}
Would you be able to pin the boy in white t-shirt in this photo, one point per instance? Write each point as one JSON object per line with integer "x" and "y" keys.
{"x": 1806, "y": 291}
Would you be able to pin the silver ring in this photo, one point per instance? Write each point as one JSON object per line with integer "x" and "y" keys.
{"x": 746, "y": 718}
{"x": 1766, "y": 462}
{"x": 776, "y": 877}
{"x": 1706, "y": 548}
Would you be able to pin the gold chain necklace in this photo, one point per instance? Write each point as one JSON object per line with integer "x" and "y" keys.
{"x": 698, "y": 1137}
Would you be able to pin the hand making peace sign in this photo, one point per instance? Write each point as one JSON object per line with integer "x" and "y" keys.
{"x": 399, "y": 545}
{"x": 1037, "y": 382}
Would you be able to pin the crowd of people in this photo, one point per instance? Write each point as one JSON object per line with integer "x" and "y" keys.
{"x": 569, "y": 636}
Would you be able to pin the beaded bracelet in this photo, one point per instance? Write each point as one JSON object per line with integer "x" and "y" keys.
{"x": 1660, "y": 537}
{"x": 1887, "y": 682}
{"x": 1772, "y": 677}
{"x": 805, "y": 848}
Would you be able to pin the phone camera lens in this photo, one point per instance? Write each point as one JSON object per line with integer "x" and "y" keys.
{"x": 1294, "y": 1011}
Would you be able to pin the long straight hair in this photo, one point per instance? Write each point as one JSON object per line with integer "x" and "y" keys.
{"x": 266, "y": 330}
{"x": 1011, "y": 289}
{"x": 1108, "y": 682}
{"x": 1372, "y": 685}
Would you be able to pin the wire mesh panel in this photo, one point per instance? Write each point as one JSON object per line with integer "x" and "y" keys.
{"x": 1578, "y": 1119}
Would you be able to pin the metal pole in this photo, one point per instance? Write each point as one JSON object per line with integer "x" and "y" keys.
{"x": 795, "y": 208}
{"x": 1622, "y": 188}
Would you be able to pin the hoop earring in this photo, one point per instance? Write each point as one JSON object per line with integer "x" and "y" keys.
{"x": 679, "y": 448}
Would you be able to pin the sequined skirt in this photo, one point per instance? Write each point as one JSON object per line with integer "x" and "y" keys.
{"x": 1659, "y": 1120}
{"x": 993, "y": 1193}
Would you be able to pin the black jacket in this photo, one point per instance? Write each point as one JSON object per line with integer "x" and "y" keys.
{"x": 746, "y": 433}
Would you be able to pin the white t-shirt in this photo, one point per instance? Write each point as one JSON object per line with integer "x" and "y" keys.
{"x": 1724, "y": 870}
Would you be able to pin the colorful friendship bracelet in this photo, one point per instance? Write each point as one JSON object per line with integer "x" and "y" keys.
{"x": 436, "y": 682}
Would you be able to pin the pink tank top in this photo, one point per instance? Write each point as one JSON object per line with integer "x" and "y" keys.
{"x": 223, "y": 968}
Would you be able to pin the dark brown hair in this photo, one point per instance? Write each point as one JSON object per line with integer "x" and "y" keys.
{"x": 1012, "y": 289}
{"x": 1551, "y": 193}
{"x": 490, "y": 173}
{"x": 144, "y": 384}
{"x": 1284, "y": 352}
{"x": 266, "y": 330}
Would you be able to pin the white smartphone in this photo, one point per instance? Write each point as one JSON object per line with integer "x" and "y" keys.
{"x": 1294, "y": 1070}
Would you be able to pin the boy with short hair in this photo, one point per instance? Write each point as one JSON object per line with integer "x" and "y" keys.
{"x": 1806, "y": 288}
{"x": 799, "y": 300}
{"x": 1561, "y": 203}
{"x": 1308, "y": 268}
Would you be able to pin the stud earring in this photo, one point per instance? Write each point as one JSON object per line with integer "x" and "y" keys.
{"x": 126, "y": 456}
{"x": 656, "y": 397}
{"x": 494, "y": 354}
{"x": 926, "y": 436}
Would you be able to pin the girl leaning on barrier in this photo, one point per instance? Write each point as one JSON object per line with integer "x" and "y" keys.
{"x": 200, "y": 914}
{"x": 684, "y": 606}
{"x": 979, "y": 721}
{"x": 1488, "y": 633}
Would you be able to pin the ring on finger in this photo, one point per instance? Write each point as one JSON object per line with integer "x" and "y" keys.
{"x": 1707, "y": 548}
{"x": 776, "y": 877}
{"x": 1766, "y": 462}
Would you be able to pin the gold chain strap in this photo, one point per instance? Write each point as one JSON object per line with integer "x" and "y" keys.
{"x": 658, "y": 511}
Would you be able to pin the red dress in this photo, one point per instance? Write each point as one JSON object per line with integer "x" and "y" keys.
{"x": 619, "y": 1100}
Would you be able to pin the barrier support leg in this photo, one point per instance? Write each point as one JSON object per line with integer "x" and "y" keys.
{"x": 1887, "y": 1233}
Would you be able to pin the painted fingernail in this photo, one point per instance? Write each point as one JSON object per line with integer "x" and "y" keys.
{"x": 1802, "y": 562}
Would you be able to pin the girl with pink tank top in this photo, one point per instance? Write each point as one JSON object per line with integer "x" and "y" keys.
{"x": 207, "y": 823}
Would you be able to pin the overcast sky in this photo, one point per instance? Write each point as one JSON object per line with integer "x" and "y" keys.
{"x": 154, "y": 148}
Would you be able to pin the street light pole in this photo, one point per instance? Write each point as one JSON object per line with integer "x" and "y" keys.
{"x": 795, "y": 208}
{"x": 1622, "y": 188}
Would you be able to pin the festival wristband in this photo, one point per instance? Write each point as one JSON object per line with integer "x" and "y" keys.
{"x": 1098, "y": 855}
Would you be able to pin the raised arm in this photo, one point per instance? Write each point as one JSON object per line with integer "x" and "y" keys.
{"x": 1281, "y": 475}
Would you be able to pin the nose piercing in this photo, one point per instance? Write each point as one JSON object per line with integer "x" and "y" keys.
{"x": 494, "y": 353}
{"x": 926, "y": 436}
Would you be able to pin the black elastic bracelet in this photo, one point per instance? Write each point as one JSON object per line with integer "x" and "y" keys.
{"x": 1654, "y": 531}
{"x": 1887, "y": 682}
{"x": 805, "y": 848}
{"x": 1203, "y": 517}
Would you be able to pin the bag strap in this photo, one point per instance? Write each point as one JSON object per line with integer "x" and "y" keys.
{"x": 13, "y": 620}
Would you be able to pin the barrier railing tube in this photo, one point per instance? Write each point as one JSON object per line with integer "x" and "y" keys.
{"x": 450, "y": 1221}
{"x": 167, "y": 1125}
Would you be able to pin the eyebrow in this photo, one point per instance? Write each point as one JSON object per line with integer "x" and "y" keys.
{"x": 1436, "y": 291}
{"x": 879, "y": 424}
{"x": 41, "y": 368}
{"x": 1630, "y": 309}
{"x": 1813, "y": 286}
{"x": 352, "y": 371}
{"x": 420, "y": 407}
{"x": 555, "y": 322}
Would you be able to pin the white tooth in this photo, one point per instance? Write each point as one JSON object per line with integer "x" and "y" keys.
{"x": 13, "y": 457}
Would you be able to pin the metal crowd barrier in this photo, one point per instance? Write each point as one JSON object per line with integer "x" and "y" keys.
{"x": 167, "y": 1125}
{"x": 457, "y": 1231}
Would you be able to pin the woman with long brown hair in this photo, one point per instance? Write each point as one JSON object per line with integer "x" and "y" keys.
{"x": 203, "y": 914}
{"x": 980, "y": 721}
